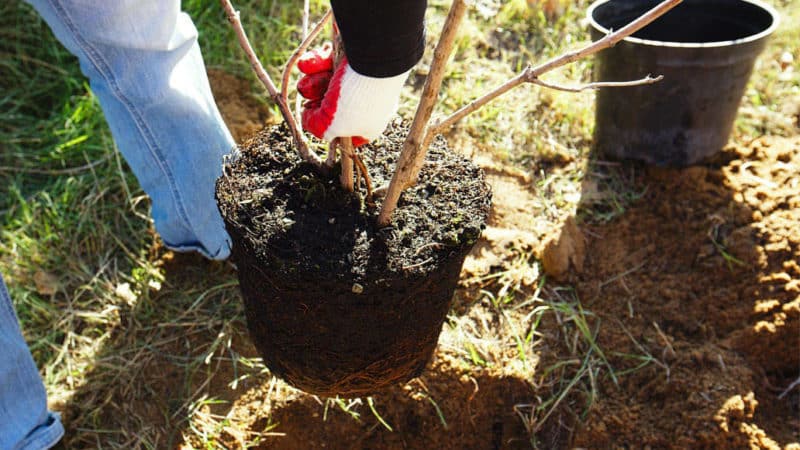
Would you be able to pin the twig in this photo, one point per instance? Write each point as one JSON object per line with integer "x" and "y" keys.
{"x": 413, "y": 152}
{"x": 419, "y": 264}
{"x": 307, "y": 39}
{"x": 622, "y": 275}
{"x": 532, "y": 74}
{"x": 302, "y": 146}
{"x": 306, "y": 13}
{"x": 435, "y": 245}
{"x": 421, "y": 134}
{"x": 357, "y": 168}
{"x": 600, "y": 84}
{"x": 298, "y": 99}
{"x": 236, "y": 23}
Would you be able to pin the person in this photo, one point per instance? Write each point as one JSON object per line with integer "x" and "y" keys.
{"x": 144, "y": 65}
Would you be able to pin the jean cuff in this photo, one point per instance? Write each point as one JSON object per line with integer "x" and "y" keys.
{"x": 220, "y": 254}
{"x": 45, "y": 436}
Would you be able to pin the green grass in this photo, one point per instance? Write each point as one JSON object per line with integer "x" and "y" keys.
{"x": 772, "y": 102}
{"x": 142, "y": 353}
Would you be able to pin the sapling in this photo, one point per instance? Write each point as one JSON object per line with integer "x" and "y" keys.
{"x": 338, "y": 303}
{"x": 422, "y": 131}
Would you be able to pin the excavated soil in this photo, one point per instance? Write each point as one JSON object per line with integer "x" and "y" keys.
{"x": 702, "y": 274}
{"x": 699, "y": 279}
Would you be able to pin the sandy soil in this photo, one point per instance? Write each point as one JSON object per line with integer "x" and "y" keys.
{"x": 702, "y": 273}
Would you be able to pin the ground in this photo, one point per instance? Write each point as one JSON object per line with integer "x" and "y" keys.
{"x": 695, "y": 290}
{"x": 608, "y": 305}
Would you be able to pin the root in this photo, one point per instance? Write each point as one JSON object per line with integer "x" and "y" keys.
{"x": 361, "y": 169}
{"x": 350, "y": 156}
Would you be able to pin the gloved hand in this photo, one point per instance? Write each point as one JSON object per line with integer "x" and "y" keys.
{"x": 342, "y": 102}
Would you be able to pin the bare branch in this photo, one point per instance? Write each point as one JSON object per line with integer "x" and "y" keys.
{"x": 306, "y": 14}
{"x": 598, "y": 85}
{"x": 287, "y": 71}
{"x": 609, "y": 40}
{"x": 413, "y": 153}
{"x": 302, "y": 146}
{"x": 298, "y": 99}
{"x": 532, "y": 74}
{"x": 236, "y": 23}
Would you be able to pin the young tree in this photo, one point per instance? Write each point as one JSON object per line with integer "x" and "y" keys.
{"x": 422, "y": 131}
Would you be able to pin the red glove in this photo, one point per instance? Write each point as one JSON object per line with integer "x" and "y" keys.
{"x": 342, "y": 102}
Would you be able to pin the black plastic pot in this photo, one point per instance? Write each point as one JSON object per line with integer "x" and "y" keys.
{"x": 705, "y": 49}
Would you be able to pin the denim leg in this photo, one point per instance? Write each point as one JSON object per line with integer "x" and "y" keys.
{"x": 145, "y": 67}
{"x": 25, "y": 422}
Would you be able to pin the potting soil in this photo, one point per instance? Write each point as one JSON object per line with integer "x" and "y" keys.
{"x": 336, "y": 304}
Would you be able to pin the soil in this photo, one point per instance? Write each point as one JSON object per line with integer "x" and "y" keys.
{"x": 284, "y": 208}
{"x": 307, "y": 251}
{"x": 243, "y": 113}
{"x": 702, "y": 273}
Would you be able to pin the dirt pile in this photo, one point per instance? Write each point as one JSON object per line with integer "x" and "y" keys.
{"x": 701, "y": 277}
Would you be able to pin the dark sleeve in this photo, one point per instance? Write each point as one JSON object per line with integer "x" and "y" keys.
{"x": 382, "y": 38}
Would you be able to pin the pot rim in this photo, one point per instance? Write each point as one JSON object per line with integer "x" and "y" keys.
{"x": 776, "y": 18}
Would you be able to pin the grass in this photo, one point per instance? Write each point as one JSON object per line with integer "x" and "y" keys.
{"x": 140, "y": 351}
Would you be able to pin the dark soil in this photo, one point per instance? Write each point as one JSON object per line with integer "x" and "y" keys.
{"x": 336, "y": 305}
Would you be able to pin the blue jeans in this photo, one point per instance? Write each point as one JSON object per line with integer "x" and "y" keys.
{"x": 25, "y": 422}
{"x": 144, "y": 65}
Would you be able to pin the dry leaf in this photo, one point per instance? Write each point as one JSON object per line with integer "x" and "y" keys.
{"x": 46, "y": 283}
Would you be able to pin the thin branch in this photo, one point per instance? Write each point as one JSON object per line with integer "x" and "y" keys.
{"x": 287, "y": 71}
{"x": 306, "y": 14}
{"x": 532, "y": 74}
{"x": 298, "y": 99}
{"x": 236, "y": 23}
{"x": 413, "y": 154}
{"x": 598, "y": 85}
{"x": 302, "y": 146}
